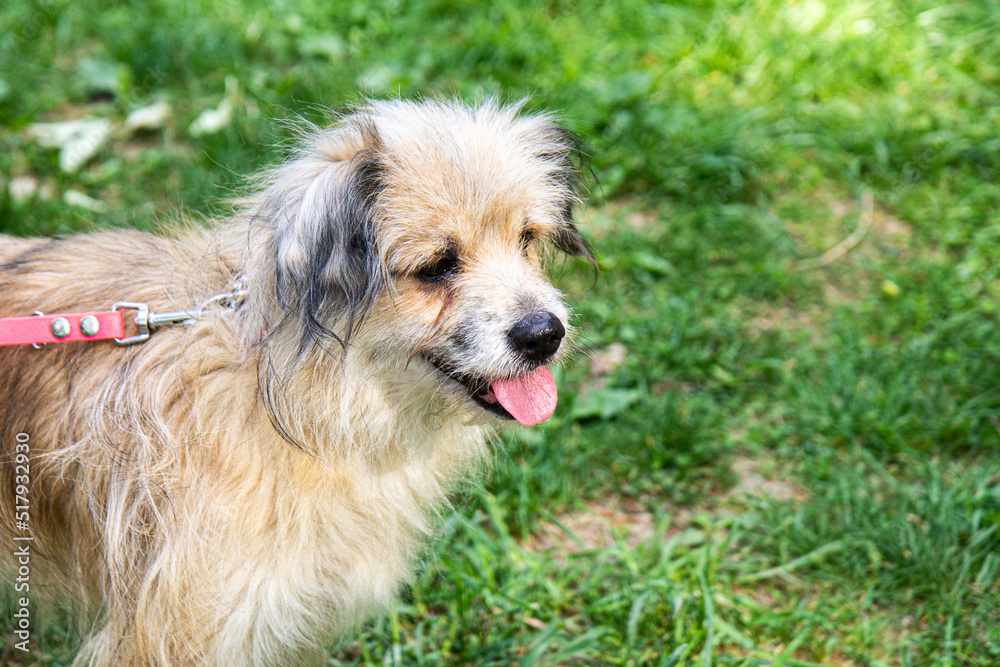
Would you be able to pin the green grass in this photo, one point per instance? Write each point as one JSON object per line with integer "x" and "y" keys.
{"x": 730, "y": 141}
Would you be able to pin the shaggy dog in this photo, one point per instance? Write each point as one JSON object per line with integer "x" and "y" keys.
{"x": 242, "y": 486}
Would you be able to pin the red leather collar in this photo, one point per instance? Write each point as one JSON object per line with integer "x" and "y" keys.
{"x": 39, "y": 329}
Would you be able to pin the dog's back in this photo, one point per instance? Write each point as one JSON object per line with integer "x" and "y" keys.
{"x": 11, "y": 247}
{"x": 80, "y": 435}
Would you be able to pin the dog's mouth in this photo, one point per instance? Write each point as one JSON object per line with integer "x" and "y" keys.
{"x": 529, "y": 398}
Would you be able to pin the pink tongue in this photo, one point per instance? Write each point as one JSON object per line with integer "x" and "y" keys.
{"x": 531, "y": 398}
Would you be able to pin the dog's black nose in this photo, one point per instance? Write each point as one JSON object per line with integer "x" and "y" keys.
{"x": 537, "y": 336}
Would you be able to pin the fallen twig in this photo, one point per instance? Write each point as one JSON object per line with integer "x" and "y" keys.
{"x": 837, "y": 251}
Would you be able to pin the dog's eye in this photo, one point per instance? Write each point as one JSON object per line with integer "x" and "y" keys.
{"x": 439, "y": 270}
{"x": 527, "y": 238}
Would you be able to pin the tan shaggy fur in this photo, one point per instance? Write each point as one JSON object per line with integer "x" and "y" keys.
{"x": 236, "y": 490}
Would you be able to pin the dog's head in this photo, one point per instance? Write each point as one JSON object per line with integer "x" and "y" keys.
{"x": 411, "y": 234}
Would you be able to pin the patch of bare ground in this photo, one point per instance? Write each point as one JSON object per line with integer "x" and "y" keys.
{"x": 847, "y": 239}
{"x": 885, "y": 236}
{"x": 622, "y": 520}
{"x": 766, "y": 317}
{"x": 755, "y": 480}
{"x": 892, "y": 230}
{"x": 602, "y": 362}
{"x": 602, "y": 524}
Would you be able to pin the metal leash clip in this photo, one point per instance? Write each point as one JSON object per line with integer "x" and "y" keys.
{"x": 146, "y": 322}
{"x": 141, "y": 321}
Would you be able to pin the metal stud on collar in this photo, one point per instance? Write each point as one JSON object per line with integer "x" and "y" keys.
{"x": 60, "y": 327}
{"x": 89, "y": 325}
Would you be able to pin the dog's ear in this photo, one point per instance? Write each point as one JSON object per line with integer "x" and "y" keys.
{"x": 568, "y": 160}
{"x": 328, "y": 268}
{"x": 568, "y": 239}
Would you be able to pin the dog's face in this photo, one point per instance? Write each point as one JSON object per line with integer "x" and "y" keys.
{"x": 416, "y": 236}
